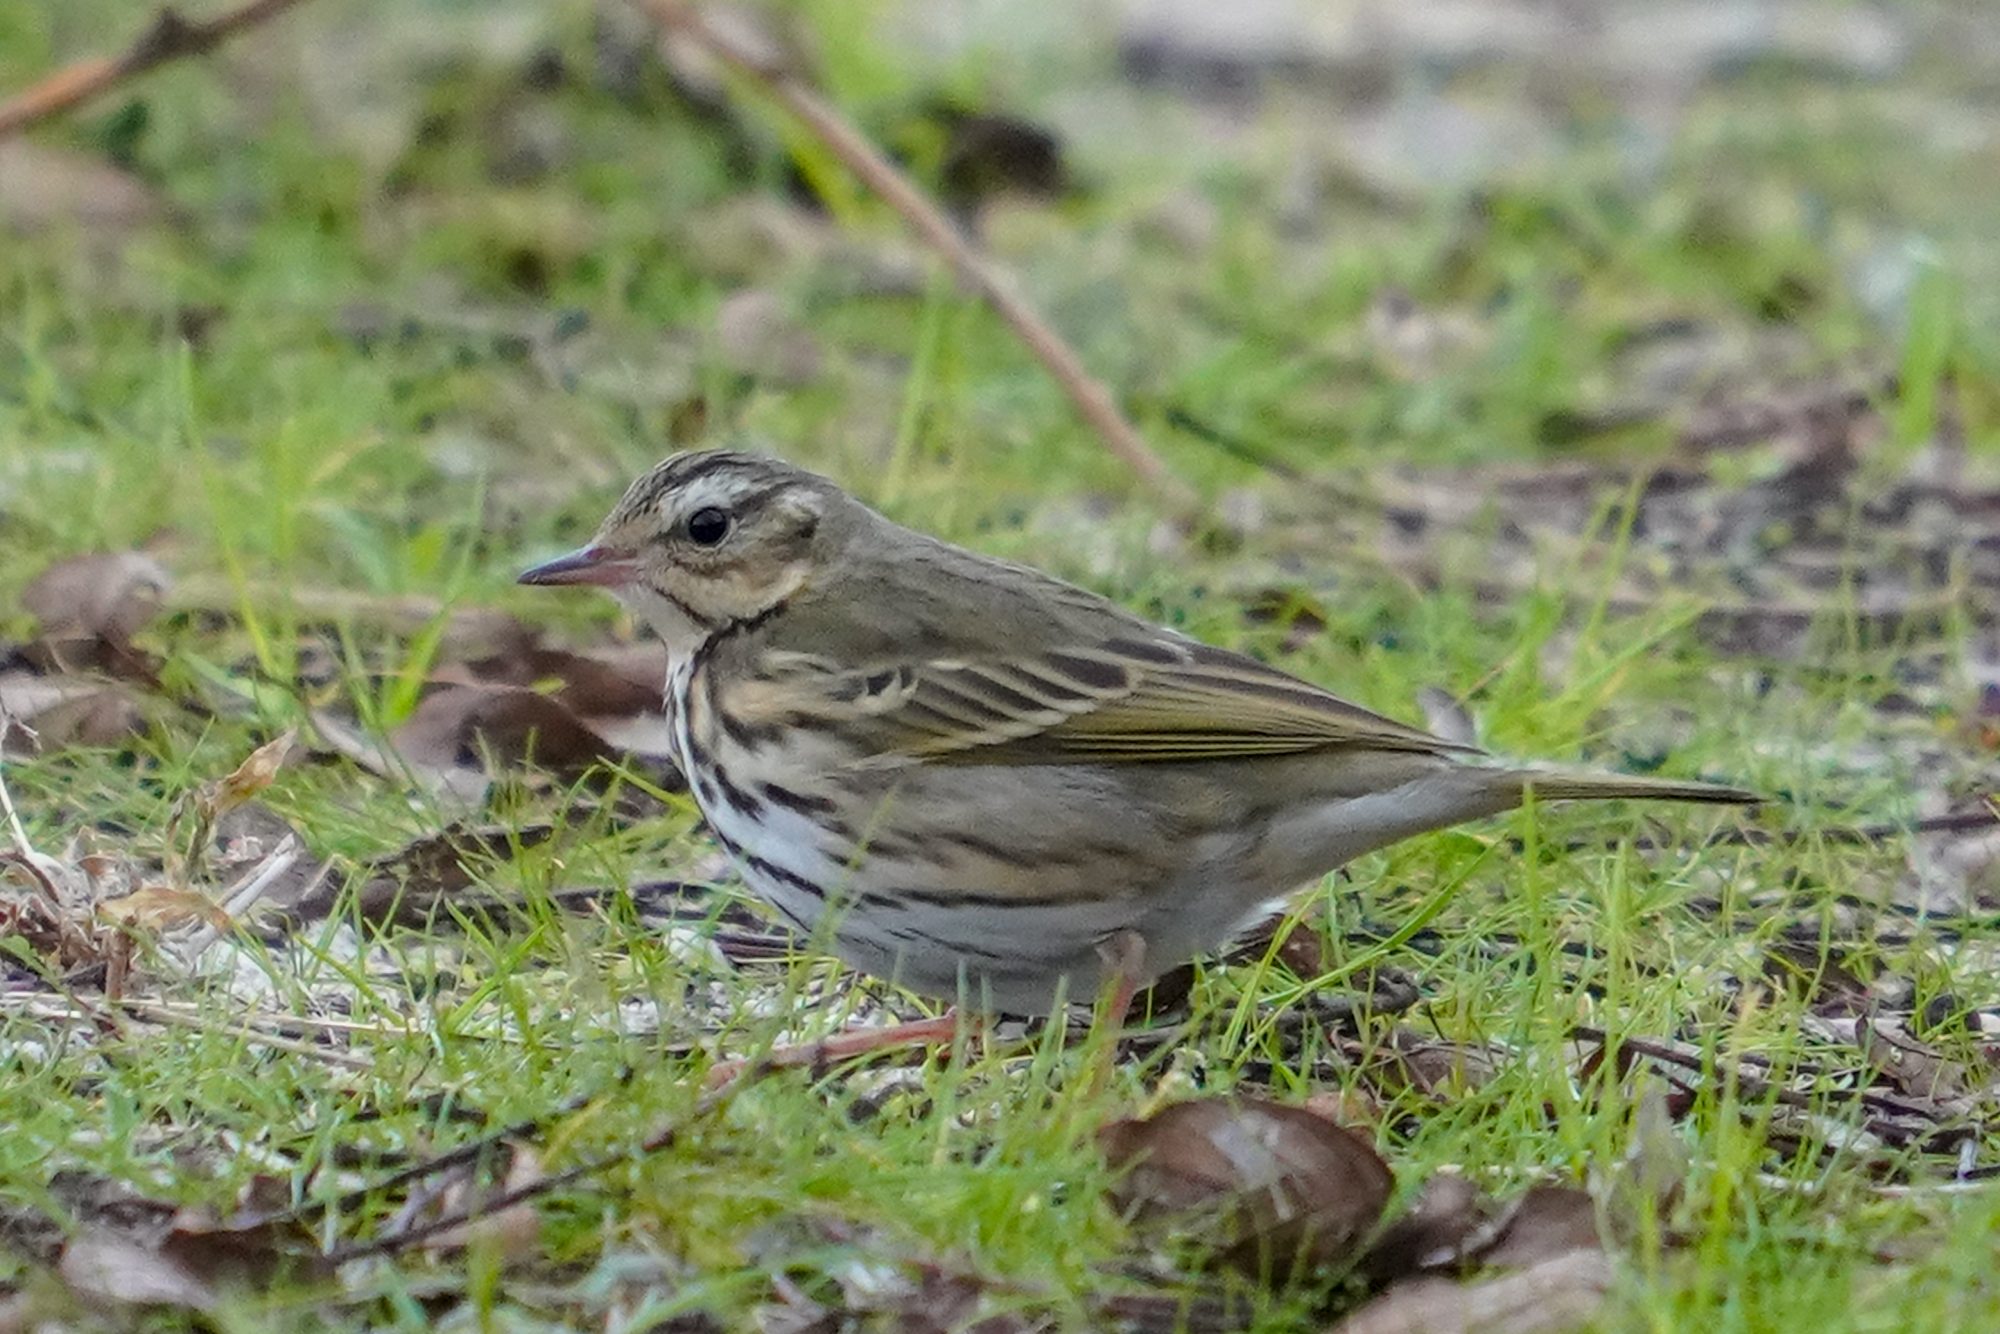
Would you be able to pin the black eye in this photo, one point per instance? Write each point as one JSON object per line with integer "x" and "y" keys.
{"x": 708, "y": 526}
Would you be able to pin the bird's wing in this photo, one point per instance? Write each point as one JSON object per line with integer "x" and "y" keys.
{"x": 1118, "y": 701}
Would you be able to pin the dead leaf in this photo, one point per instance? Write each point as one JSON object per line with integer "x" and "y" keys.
{"x": 157, "y": 908}
{"x": 1546, "y": 1222}
{"x": 1810, "y": 970}
{"x": 603, "y": 683}
{"x": 107, "y": 1269}
{"x": 43, "y": 187}
{"x": 47, "y": 713}
{"x": 89, "y": 608}
{"x": 1562, "y": 1292}
{"x": 409, "y": 885}
{"x": 1648, "y": 1184}
{"x": 514, "y": 1231}
{"x": 461, "y": 727}
{"x": 252, "y": 776}
{"x": 1450, "y": 1218}
{"x": 1282, "y": 1188}
{"x": 1912, "y": 1065}
{"x": 757, "y": 337}
{"x": 987, "y": 153}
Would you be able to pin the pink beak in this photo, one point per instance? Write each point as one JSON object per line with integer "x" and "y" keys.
{"x": 586, "y": 565}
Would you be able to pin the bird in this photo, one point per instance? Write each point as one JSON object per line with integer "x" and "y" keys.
{"x": 987, "y": 785}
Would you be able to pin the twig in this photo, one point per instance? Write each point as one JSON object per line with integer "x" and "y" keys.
{"x": 1754, "y": 1084}
{"x": 109, "y": 1014}
{"x": 882, "y": 176}
{"x": 170, "y": 38}
{"x": 45, "y": 871}
{"x": 662, "y": 1139}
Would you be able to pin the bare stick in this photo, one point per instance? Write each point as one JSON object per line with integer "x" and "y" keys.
{"x": 661, "y": 1140}
{"x": 882, "y": 176}
{"x": 170, "y": 38}
{"x": 44, "y": 871}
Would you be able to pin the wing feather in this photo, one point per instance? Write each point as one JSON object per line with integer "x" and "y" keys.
{"x": 1118, "y": 702}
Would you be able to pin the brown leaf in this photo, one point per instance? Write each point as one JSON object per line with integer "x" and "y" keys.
{"x": 249, "y": 1250}
{"x": 1545, "y": 1222}
{"x": 1649, "y": 1183}
{"x": 90, "y": 607}
{"x": 515, "y": 1231}
{"x": 47, "y": 713}
{"x": 162, "y": 908}
{"x": 1811, "y": 971}
{"x": 1450, "y": 1219}
{"x": 461, "y": 726}
{"x": 1283, "y": 1188}
{"x": 107, "y": 1269}
{"x": 615, "y": 682}
{"x": 43, "y": 187}
{"x": 408, "y": 885}
{"x": 1911, "y": 1065}
{"x": 256, "y": 773}
{"x": 1562, "y": 1292}
{"x": 757, "y": 337}
{"x": 1434, "y": 1066}
{"x": 461, "y": 731}
{"x": 988, "y": 153}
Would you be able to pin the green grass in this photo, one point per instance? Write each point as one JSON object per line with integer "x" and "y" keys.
{"x": 381, "y": 370}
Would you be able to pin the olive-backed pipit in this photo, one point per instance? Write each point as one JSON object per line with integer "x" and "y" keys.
{"x": 981, "y": 782}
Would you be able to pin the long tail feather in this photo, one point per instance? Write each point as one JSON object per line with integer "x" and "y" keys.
{"x": 1553, "y": 784}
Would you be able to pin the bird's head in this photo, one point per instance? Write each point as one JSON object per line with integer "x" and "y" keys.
{"x": 706, "y": 540}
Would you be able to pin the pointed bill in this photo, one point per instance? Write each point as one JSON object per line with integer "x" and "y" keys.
{"x": 586, "y": 565}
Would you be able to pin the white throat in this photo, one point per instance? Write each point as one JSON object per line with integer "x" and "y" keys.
{"x": 681, "y": 634}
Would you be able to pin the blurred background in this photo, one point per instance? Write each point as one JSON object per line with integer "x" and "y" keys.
{"x": 505, "y": 241}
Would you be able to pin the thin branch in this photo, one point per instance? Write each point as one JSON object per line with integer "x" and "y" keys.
{"x": 170, "y": 38}
{"x": 661, "y": 1140}
{"x": 882, "y": 176}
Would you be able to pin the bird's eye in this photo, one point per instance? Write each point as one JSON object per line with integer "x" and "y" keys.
{"x": 706, "y": 527}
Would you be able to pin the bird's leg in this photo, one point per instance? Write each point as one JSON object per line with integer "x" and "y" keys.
{"x": 1124, "y": 955}
{"x": 842, "y": 1046}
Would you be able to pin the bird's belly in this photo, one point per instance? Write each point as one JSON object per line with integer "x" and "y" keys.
{"x": 916, "y": 884}
{"x": 992, "y": 885}
{"x": 935, "y": 936}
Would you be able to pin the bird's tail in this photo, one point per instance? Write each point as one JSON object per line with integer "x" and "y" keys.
{"x": 1558, "y": 784}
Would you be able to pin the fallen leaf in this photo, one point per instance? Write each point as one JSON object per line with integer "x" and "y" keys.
{"x": 46, "y": 713}
{"x": 757, "y": 337}
{"x": 1911, "y": 1065}
{"x": 514, "y": 1231}
{"x": 1648, "y": 1184}
{"x": 409, "y": 885}
{"x": 987, "y": 153}
{"x": 43, "y": 187}
{"x": 1282, "y": 1189}
{"x": 603, "y": 683}
{"x": 464, "y": 726}
{"x": 252, "y": 776}
{"x": 89, "y": 608}
{"x": 1562, "y": 1292}
{"x": 1545, "y": 1222}
{"x": 158, "y": 908}
{"x": 107, "y": 1269}
{"x": 1450, "y": 1218}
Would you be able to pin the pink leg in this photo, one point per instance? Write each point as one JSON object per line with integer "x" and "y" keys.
{"x": 843, "y": 1046}
{"x": 1125, "y": 957}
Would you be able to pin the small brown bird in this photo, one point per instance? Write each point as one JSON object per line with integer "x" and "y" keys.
{"x": 985, "y": 784}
